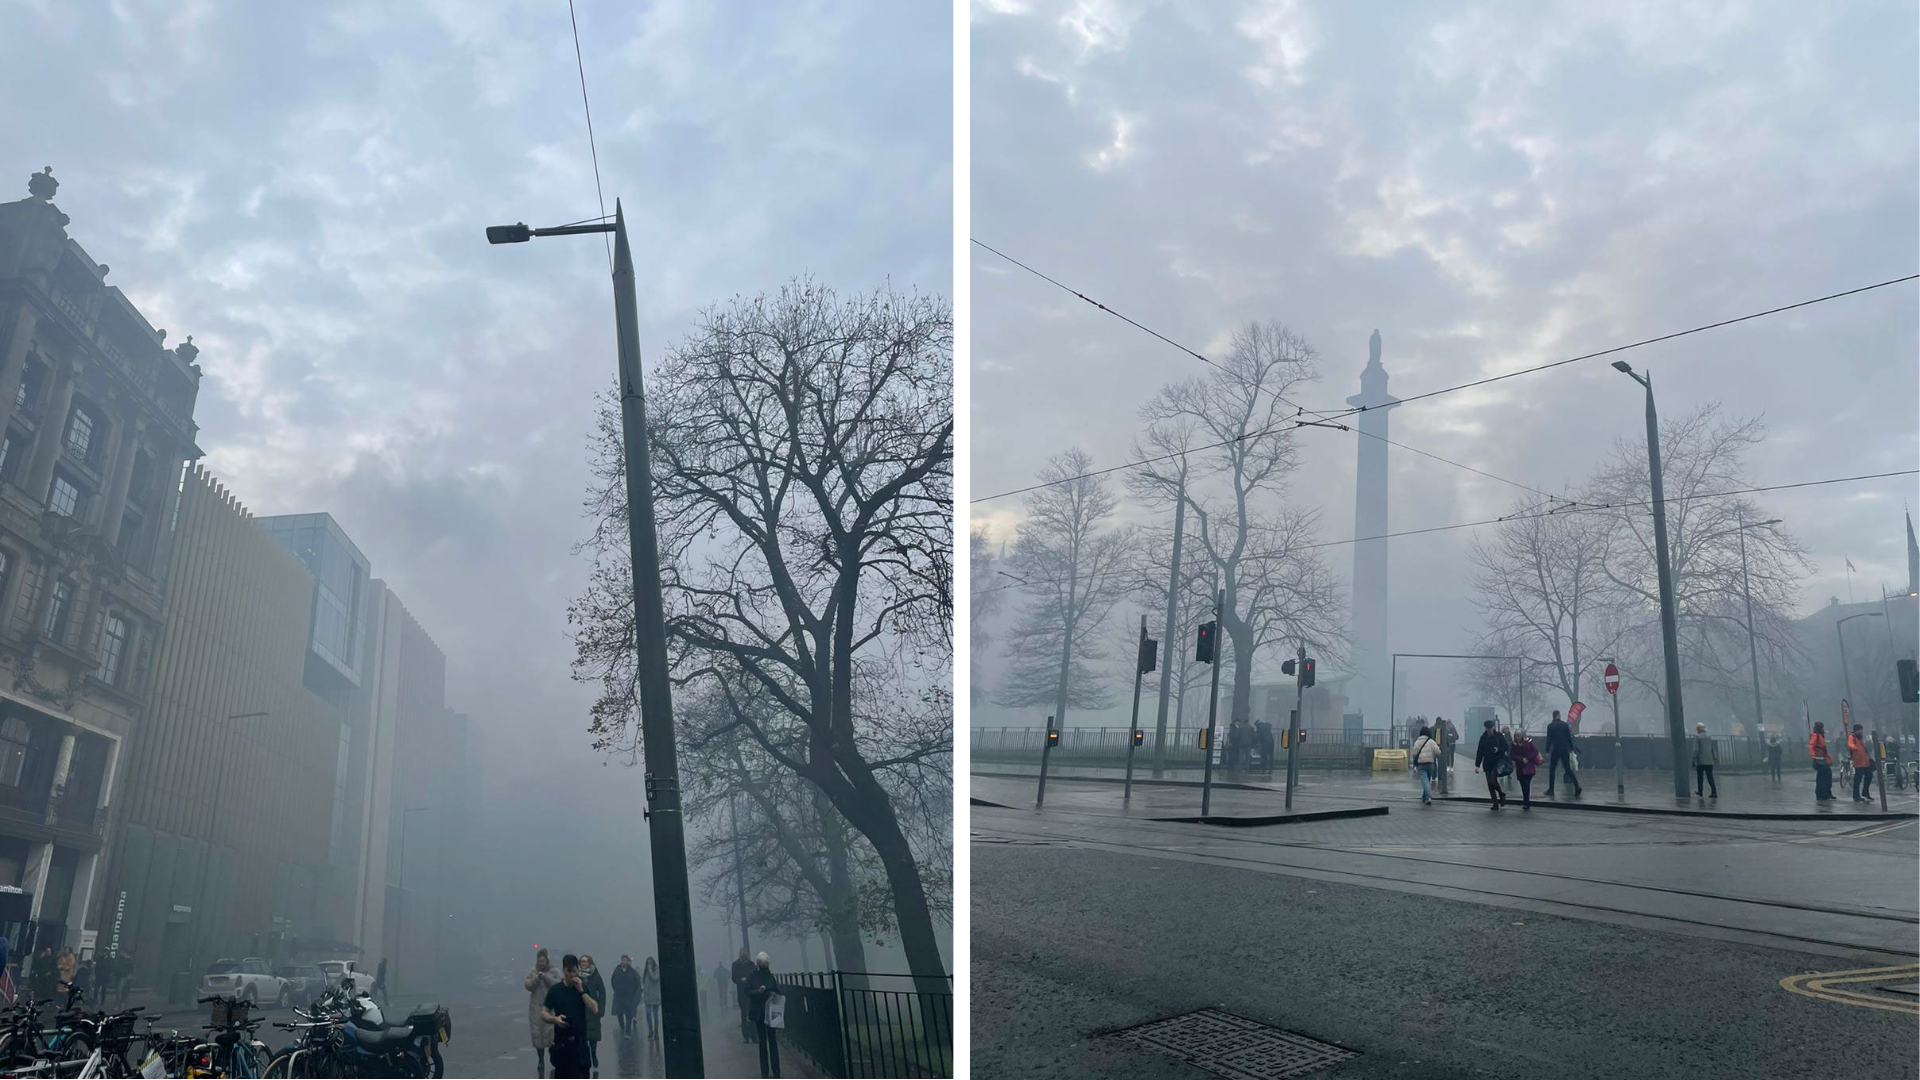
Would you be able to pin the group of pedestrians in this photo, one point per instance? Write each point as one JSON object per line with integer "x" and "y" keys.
{"x": 565, "y": 1007}
{"x": 1249, "y": 746}
{"x": 1507, "y": 752}
{"x": 1860, "y": 759}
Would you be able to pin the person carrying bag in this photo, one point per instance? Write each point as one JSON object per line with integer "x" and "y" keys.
{"x": 1424, "y": 756}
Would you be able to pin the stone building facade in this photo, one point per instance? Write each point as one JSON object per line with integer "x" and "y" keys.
{"x": 96, "y": 421}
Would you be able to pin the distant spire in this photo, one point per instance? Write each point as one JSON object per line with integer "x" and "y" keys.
{"x": 1913, "y": 560}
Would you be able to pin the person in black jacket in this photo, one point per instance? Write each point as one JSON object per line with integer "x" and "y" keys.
{"x": 1489, "y": 754}
{"x": 761, "y": 986}
{"x": 626, "y": 993}
{"x": 1560, "y": 753}
{"x": 742, "y": 968}
{"x": 1263, "y": 741}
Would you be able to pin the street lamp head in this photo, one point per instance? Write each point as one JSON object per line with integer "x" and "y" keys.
{"x": 509, "y": 234}
{"x": 1618, "y": 365}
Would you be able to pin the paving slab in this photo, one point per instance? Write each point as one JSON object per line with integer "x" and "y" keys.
{"x": 1235, "y": 806}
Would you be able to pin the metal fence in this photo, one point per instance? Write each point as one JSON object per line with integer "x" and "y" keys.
{"x": 1107, "y": 747}
{"x": 858, "y": 1024}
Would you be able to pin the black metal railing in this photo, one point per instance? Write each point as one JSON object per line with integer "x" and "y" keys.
{"x": 1107, "y": 747}
{"x": 855, "y": 1024}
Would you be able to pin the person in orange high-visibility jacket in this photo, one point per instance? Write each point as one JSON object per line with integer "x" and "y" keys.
{"x": 1822, "y": 763}
{"x": 1862, "y": 764}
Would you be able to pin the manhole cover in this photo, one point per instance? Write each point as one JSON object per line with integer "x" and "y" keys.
{"x": 1233, "y": 1046}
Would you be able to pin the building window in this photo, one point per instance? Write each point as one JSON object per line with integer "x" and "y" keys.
{"x": 113, "y": 646}
{"x": 15, "y": 739}
{"x": 29, "y": 391}
{"x": 129, "y": 536}
{"x": 64, "y": 498}
{"x": 80, "y": 433}
{"x": 57, "y": 610}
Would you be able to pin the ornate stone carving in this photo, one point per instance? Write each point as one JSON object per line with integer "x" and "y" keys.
{"x": 42, "y": 185}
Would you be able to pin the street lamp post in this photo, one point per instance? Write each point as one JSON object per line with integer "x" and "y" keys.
{"x": 1753, "y": 651}
{"x": 206, "y": 864}
{"x": 1846, "y": 673}
{"x": 1669, "y": 632}
{"x": 672, "y": 904}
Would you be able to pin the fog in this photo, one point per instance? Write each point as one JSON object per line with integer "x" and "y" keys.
{"x": 304, "y": 190}
{"x": 1491, "y": 188}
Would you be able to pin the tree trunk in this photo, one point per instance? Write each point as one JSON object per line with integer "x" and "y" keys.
{"x": 917, "y": 936}
{"x": 1241, "y": 633}
{"x": 843, "y": 913}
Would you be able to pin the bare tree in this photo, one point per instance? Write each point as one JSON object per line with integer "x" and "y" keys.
{"x": 983, "y": 603}
{"x": 1276, "y": 586}
{"x": 1703, "y": 453}
{"x": 803, "y": 450}
{"x": 1073, "y": 570}
{"x": 1540, "y": 583}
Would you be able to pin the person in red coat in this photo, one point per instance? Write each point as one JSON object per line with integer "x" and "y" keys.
{"x": 1526, "y": 762}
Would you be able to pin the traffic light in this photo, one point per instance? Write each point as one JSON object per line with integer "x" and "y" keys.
{"x": 1203, "y": 738}
{"x": 1909, "y": 681}
{"x": 1149, "y": 655}
{"x": 1053, "y": 738}
{"x": 1203, "y": 649}
{"x": 1306, "y": 673}
{"x": 1286, "y": 737}
{"x": 1138, "y": 736}
{"x": 1286, "y": 667}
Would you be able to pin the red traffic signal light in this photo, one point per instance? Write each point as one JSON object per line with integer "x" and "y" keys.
{"x": 1138, "y": 736}
{"x": 1306, "y": 673}
{"x": 1203, "y": 648}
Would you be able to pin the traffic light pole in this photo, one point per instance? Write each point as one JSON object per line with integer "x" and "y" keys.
{"x": 1293, "y": 724}
{"x": 1139, "y": 672}
{"x": 1046, "y": 747}
{"x": 1213, "y": 705}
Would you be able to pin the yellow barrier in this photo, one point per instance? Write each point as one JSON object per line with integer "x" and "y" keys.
{"x": 1389, "y": 761}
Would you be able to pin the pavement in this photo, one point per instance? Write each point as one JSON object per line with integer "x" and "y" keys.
{"x": 1741, "y": 794}
{"x": 491, "y": 1037}
{"x": 1447, "y": 941}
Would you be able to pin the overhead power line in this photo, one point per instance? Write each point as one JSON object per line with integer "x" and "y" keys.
{"x": 591, "y": 147}
{"x": 1581, "y": 508}
{"x": 1330, "y": 419}
{"x": 1324, "y": 420}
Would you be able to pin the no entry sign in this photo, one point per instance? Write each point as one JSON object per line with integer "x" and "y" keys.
{"x": 1613, "y": 679}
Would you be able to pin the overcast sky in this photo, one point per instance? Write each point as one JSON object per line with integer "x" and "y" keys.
{"x": 303, "y": 188}
{"x": 1492, "y": 186}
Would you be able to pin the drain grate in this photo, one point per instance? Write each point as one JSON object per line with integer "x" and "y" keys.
{"x": 1233, "y": 1046}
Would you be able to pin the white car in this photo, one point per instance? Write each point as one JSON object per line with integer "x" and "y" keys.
{"x": 248, "y": 978}
{"x": 348, "y": 971}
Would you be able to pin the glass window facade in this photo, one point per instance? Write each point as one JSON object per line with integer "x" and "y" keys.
{"x": 57, "y": 607}
{"x": 340, "y": 576}
{"x": 80, "y": 433}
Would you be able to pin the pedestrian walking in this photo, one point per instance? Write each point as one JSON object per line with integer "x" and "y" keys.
{"x": 650, "y": 997}
{"x": 1426, "y": 753}
{"x": 379, "y": 991}
{"x": 541, "y": 979}
{"x": 103, "y": 978}
{"x": 742, "y": 967}
{"x": 1822, "y": 763}
{"x": 626, "y": 993}
{"x": 1774, "y": 753}
{"x": 1491, "y": 754}
{"x": 65, "y": 966}
{"x": 721, "y": 980}
{"x": 42, "y": 979}
{"x": 1526, "y": 762}
{"x": 1706, "y": 754}
{"x": 1560, "y": 754}
{"x": 1449, "y": 745}
{"x": 566, "y": 1012}
{"x": 1862, "y": 765}
{"x": 761, "y": 987}
{"x": 595, "y": 986}
{"x": 1263, "y": 741}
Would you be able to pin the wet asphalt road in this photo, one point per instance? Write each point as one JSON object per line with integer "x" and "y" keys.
{"x": 1071, "y": 940}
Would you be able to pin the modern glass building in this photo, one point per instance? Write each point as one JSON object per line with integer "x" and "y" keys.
{"x": 340, "y": 576}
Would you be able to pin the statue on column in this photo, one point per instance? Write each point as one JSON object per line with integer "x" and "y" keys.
{"x": 42, "y": 185}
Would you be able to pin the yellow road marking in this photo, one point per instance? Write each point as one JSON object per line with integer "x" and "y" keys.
{"x": 1824, "y": 985}
{"x": 1881, "y": 829}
